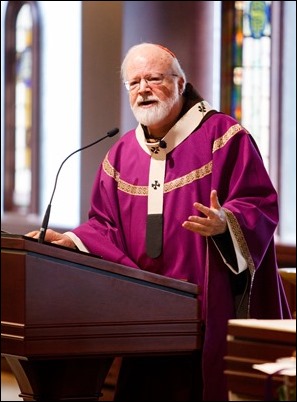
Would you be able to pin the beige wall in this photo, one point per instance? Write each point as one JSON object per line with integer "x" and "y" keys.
{"x": 101, "y": 58}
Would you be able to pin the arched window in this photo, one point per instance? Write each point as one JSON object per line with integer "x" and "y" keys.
{"x": 21, "y": 113}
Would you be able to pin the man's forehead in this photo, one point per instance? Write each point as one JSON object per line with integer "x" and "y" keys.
{"x": 147, "y": 63}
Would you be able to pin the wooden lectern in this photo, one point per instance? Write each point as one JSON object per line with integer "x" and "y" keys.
{"x": 65, "y": 315}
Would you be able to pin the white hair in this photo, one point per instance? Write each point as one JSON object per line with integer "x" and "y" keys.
{"x": 176, "y": 67}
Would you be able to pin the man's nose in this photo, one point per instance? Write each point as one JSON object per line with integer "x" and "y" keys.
{"x": 143, "y": 85}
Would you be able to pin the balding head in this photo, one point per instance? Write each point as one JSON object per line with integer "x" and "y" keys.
{"x": 153, "y": 57}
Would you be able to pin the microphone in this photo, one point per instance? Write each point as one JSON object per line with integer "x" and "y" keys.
{"x": 44, "y": 225}
{"x": 162, "y": 144}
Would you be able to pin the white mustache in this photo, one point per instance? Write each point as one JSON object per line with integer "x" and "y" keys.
{"x": 146, "y": 99}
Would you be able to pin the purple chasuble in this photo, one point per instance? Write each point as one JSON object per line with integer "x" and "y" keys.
{"x": 219, "y": 155}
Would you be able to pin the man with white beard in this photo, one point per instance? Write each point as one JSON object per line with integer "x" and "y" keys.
{"x": 185, "y": 195}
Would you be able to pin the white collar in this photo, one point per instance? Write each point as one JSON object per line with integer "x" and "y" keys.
{"x": 179, "y": 132}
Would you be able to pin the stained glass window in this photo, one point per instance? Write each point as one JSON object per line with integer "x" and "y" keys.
{"x": 21, "y": 107}
{"x": 251, "y": 70}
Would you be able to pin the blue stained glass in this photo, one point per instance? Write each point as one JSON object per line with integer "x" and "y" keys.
{"x": 259, "y": 18}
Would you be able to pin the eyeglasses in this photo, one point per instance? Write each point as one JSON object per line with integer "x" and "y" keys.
{"x": 151, "y": 80}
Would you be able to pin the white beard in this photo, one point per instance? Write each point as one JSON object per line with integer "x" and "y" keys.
{"x": 156, "y": 113}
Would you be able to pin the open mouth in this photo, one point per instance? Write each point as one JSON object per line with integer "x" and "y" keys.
{"x": 147, "y": 103}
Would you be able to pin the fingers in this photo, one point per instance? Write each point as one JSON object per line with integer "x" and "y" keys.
{"x": 53, "y": 237}
{"x": 65, "y": 241}
{"x": 214, "y": 201}
{"x": 34, "y": 234}
{"x": 214, "y": 220}
{"x": 203, "y": 226}
{"x": 50, "y": 235}
{"x": 209, "y": 212}
{"x": 198, "y": 225}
